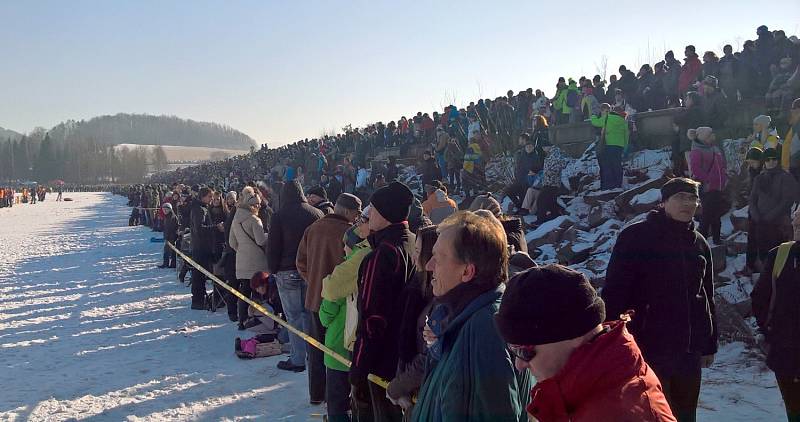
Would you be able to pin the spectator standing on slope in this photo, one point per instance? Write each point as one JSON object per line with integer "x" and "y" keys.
{"x": 709, "y": 168}
{"x": 774, "y": 192}
{"x": 662, "y": 269}
{"x": 775, "y": 298}
{"x": 614, "y": 136}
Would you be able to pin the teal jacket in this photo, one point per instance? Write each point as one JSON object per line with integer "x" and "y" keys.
{"x": 475, "y": 379}
{"x": 616, "y": 129}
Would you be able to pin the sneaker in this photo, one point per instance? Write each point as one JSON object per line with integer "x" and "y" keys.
{"x": 287, "y": 365}
{"x": 240, "y": 327}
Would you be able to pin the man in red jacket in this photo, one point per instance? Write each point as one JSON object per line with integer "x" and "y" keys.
{"x": 690, "y": 72}
{"x": 586, "y": 370}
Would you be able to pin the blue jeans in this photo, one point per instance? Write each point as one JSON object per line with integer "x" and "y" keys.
{"x": 442, "y": 165}
{"x": 610, "y": 161}
{"x": 292, "y": 290}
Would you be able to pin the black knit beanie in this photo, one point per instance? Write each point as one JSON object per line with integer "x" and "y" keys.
{"x": 677, "y": 185}
{"x": 393, "y": 201}
{"x": 319, "y": 191}
{"x": 548, "y": 304}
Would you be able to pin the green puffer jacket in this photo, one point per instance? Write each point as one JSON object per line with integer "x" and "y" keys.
{"x": 616, "y": 129}
{"x": 475, "y": 379}
{"x": 560, "y": 101}
{"x": 332, "y": 311}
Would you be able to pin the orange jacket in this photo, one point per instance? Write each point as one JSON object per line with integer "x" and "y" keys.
{"x": 431, "y": 204}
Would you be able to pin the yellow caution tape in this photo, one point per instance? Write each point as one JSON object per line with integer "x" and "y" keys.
{"x": 310, "y": 340}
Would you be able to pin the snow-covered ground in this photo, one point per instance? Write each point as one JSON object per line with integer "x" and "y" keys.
{"x": 91, "y": 330}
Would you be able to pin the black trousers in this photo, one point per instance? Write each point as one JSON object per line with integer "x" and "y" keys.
{"x": 315, "y": 359}
{"x": 680, "y": 379}
{"x": 337, "y": 394}
{"x": 382, "y": 409}
{"x": 516, "y": 191}
{"x": 610, "y": 162}
{"x": 199, "y": 279}
{"x": 711, "y": 219}
{"x": 547, "y": 204}
{"x": 766, "y": 236}
{"x": 790, "y": 392}
{"x": 169, "y": 256}
{"x": 243, "y": 286}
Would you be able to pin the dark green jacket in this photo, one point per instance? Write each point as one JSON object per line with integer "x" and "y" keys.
{"x": 475, "y": 379}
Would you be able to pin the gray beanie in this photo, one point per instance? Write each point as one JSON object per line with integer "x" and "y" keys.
{"x": 762, "y": 120}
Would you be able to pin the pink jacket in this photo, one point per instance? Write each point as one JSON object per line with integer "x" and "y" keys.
{"x": 708, "y": 166}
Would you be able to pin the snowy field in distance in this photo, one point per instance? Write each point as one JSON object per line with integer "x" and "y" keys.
{"x": 90, "y": 330}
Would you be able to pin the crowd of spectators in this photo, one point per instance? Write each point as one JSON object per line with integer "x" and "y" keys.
{"x": 766, "y": 70}
{"x": 457, "y": 314}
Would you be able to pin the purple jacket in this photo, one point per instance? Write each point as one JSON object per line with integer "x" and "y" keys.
{"x": 708, "y": 166}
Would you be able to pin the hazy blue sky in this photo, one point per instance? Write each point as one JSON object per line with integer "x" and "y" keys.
{"x": 280, "y": 71}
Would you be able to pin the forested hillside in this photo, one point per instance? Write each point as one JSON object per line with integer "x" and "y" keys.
{"x": 145, "y": 129}
{"x": 8, "y": 134}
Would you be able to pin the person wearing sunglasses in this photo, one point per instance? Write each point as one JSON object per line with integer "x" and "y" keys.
{"x": 586, "y": 370}
{"x": 774, "y": 192}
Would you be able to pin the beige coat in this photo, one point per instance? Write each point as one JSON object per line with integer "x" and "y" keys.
{"x": 247, "y": 238}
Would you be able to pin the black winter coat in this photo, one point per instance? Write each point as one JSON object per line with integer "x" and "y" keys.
{"x": 202, "y": 228}
{"x": 714, "y": 108}
{"x": 688, "y": 118}
{"x": 287, "y": 228}
{"x": 430, "y": 171}
{"x": 774, "y": 192}
{"x": 662, "y": 269}
{"x": 170, "y": 227}
{"x": 783, "y": 329}
{"x": 382, "y": 276}
{"x": 185, "y": 216}
{"x": 526, "y": 162}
